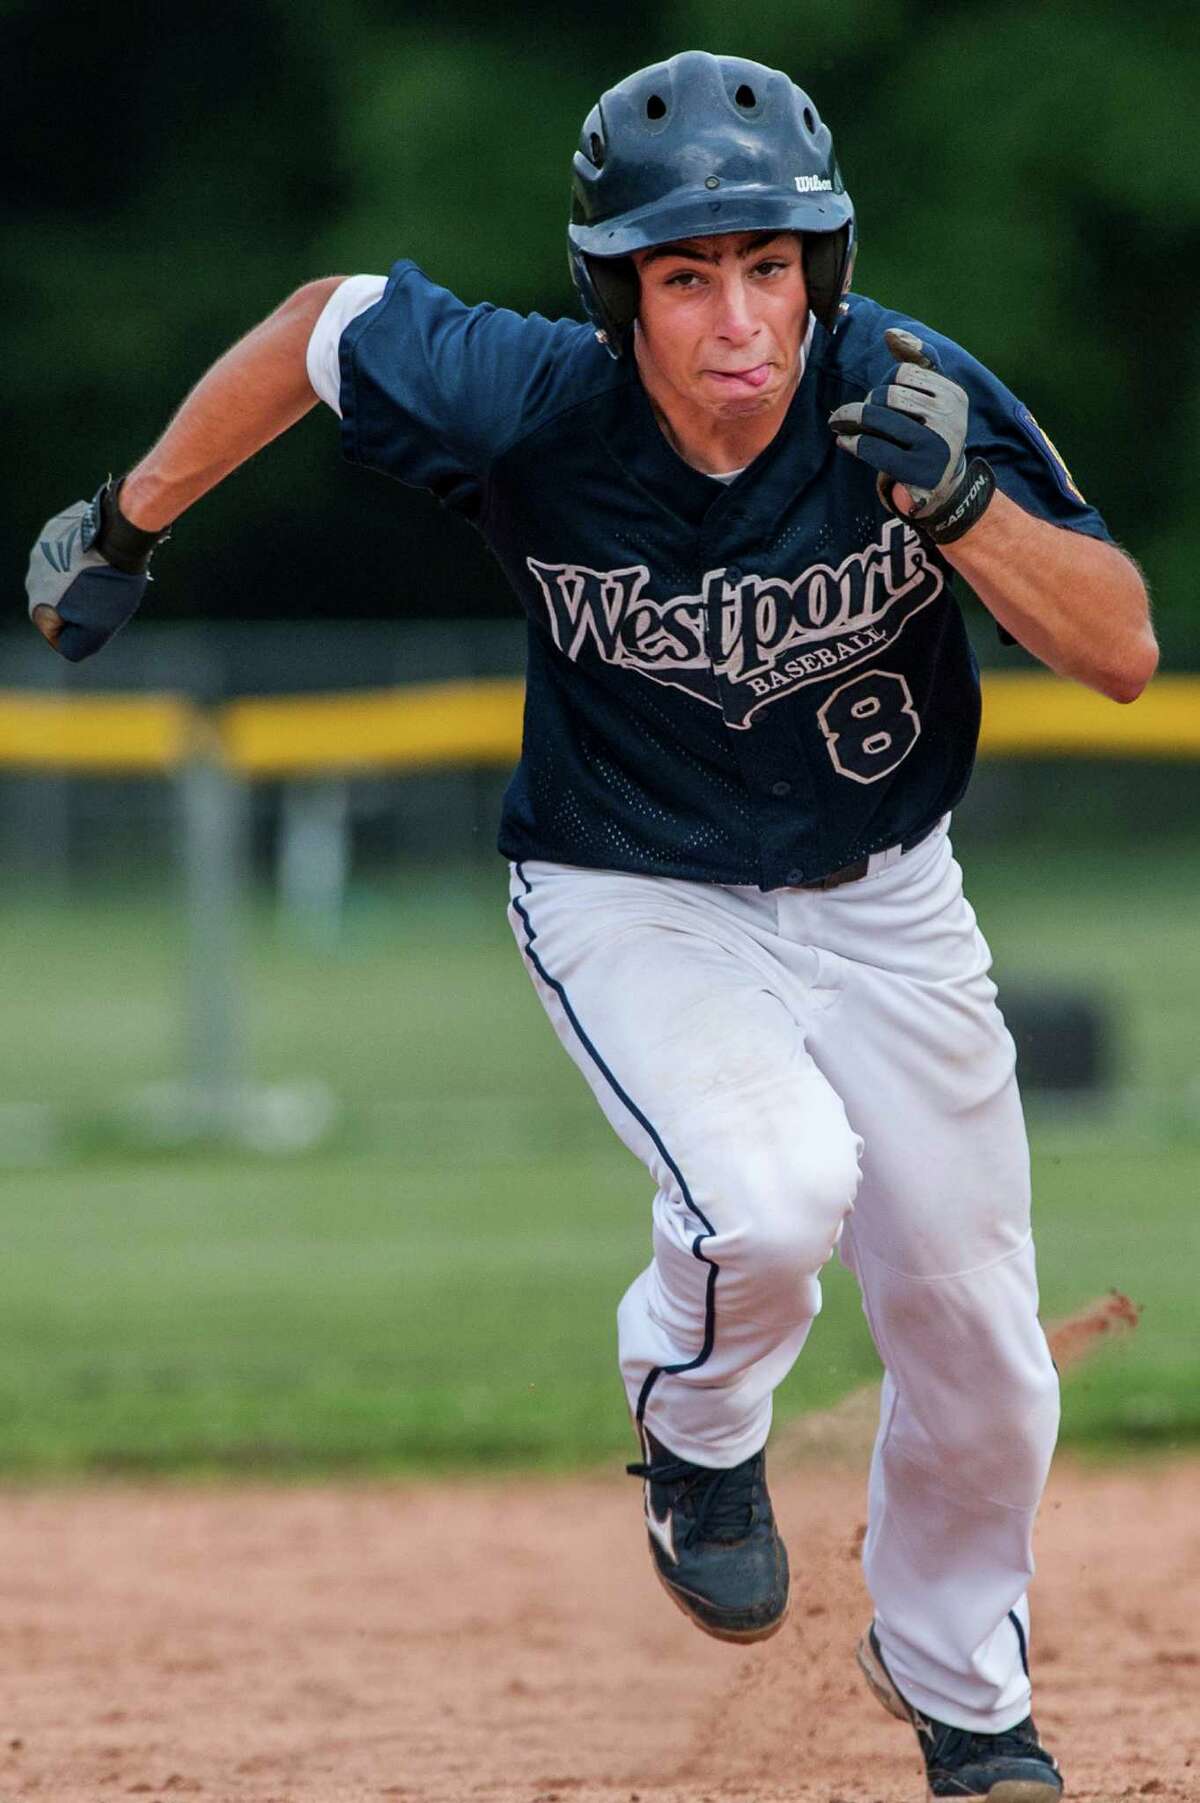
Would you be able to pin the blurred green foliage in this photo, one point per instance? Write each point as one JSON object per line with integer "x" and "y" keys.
{"x": 1025, "y": 175}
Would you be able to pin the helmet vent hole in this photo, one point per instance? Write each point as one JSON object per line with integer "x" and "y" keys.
{"x": 656, "y": 107}
{"x": 745, "y": 96}
{"x": 810, "y": 122}
{"x": 596, "y": 146}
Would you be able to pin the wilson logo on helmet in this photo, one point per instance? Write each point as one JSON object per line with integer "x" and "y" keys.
{"x": 813, "y": 184}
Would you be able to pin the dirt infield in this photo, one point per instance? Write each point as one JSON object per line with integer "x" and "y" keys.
{"x": 507, "y": 1642}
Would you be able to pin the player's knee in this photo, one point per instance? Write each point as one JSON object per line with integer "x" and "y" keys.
{"x": 788, "y": 1215}
{"x": 1041, "y": 1429}
{"x": 1002, "y": 1440}
{"x": 1013, "y": 1459}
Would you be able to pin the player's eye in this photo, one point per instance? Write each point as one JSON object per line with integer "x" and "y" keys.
{"x": 682, "y": 278}
{"x": 770, "y": 265}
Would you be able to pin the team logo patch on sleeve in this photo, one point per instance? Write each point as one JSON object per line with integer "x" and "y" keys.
{"x": 1049, "y": 450}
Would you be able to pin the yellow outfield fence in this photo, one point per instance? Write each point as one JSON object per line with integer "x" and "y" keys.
{"x": 424, "y": 726}
{"x": 100, "y": 734}
{"x": 429, "y": 726}
{"x": 1042, "y": 716}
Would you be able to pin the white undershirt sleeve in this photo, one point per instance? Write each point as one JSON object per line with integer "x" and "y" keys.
{"x": 348, "y": 300}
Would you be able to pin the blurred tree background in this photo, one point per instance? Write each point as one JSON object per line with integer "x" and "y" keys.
{"x": 1027, "y": 177}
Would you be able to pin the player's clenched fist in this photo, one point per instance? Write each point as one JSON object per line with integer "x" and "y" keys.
{"x": 913, "y": 429}
{"x": 87, "y": 574}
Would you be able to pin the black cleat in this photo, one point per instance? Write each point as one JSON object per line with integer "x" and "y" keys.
{"x": 1013, "y": 1767}
{"x": 714, "y": 1543}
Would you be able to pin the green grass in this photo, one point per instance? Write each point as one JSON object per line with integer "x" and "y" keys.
{"x": 435, "y": 1285}
{"x": 1117, "y": 1192}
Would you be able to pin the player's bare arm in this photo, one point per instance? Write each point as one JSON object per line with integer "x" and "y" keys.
{"x": 253, "y": 393}
{"x": 1077, "y": 603}
{"x": 88, "y": 569}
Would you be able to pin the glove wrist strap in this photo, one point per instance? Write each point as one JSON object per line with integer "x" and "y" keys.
{"x": 126, "y": 546}
{"x": 968, "y": 502}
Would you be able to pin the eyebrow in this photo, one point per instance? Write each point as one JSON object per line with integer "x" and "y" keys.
{"x": 699, "y": 256}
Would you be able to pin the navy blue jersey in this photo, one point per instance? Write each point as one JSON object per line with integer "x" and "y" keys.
{"x": 751, "y": 683}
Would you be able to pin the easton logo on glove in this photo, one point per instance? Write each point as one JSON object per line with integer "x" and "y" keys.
{"x": 913, "y": 429}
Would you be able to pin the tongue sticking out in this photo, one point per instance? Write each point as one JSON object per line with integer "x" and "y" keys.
{"x": 756, "y": 377}
{"x": 749, "y": 378}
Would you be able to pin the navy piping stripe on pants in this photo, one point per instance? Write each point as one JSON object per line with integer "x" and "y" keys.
{"x": 710, "y": 1306}
{"x": 1015, "y": 1619}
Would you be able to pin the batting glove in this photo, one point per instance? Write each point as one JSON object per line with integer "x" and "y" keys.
{"x": 89, "y": 567}
{"x": 913, "y": 429}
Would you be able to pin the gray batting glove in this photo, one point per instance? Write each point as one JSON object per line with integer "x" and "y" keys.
{"x": 913, "y": 429}
{"x": 87, "y": 575}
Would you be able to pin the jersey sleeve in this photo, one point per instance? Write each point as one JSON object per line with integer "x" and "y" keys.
{"x": 432, "y": 390}
{"x": 1028, "y": 465}
{"x": 348, "y": 300}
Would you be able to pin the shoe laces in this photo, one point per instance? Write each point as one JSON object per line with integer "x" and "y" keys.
{"x": 951, "y": 1748}
{"x": 718, "y": 1504}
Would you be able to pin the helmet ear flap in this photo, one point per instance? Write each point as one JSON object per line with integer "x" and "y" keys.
{"x": 615, "y": 286}
{"x": 828, "y": 266}
{"x": 615, "y": 280}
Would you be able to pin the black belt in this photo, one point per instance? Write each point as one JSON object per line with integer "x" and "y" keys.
{"x": 853, "y": 873}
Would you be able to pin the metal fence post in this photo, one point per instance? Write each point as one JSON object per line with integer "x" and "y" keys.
{"x": 214, "y": 856}
{"x": 313, "y": 857}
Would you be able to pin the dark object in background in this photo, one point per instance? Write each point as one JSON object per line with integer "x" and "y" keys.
{"x": 1065, "y": 1039}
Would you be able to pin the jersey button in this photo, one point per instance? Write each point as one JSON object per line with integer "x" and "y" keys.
{"x": 733, "y": 573}
{"x": 780, "y": 789}
{"x": 794, "y": 878}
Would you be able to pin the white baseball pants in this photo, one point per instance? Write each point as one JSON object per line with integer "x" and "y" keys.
{"x": 801, "y": 1070}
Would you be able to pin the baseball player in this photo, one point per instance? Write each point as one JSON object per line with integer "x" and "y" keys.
{"x": 731, "y": 507}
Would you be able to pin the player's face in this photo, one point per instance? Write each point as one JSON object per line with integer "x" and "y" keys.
{"x": 722, "y": 319}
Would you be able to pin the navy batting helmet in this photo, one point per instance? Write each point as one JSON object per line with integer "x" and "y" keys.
{"x": 692, "y": 147}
